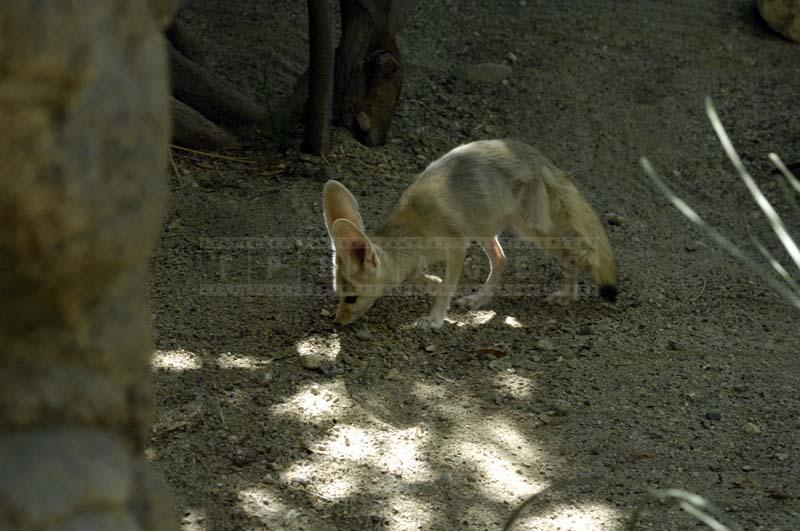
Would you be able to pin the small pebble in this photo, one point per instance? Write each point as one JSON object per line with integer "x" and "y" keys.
{"x": 752, "y": 428}
{"x": 430, "y": 348}
{"x": 325, "y": 312}
{"x": 612, "y": 218}
{"x": 561, "y": 407}
{"x": 696, "y": 245}
{"x": 674, "y": 345}
{"x": 363, "y": 333}
{"x": 713, "y": 415}
{"x": 545, "y": 344}
{"x": 312, "y": 361}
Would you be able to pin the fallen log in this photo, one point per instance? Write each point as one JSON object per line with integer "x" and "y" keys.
{"x": 212, "y": 96}
{"x": 192, "y": 129}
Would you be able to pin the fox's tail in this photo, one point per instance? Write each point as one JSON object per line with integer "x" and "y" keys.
{"x": 592, "y": 249}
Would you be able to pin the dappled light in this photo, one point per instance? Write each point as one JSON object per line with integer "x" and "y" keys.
{"x": 194, "y": 519}
{"x": 264, "y": 505}
{"x": 315, "y": 402}
{"x": 515, "y": 385}
{"x": 175, "y": 360}
{"x": 327, "y": 346}
{"x": 578, "y": 516}
{"x": 512, "y": 322}
{"x": 226, "y": 360}
{"x": 505, "y": 477}
{"x": 473, "y": 318}
{"x": 406, "y": 513}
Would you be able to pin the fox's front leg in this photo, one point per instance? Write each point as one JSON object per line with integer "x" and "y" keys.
{"x": 429, "y": 283}
{"x": 453, "y": 267}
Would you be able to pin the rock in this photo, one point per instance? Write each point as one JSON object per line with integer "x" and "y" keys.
{"x": 713, "y": 415}
{"x": 363, "y": 333}
{"x": 562, "y": 407}
{"x": 512, "y": 57}
{"x": 752, "y": 428}
{"x": 312, "y": 361}
{"x": 430, "y": 348}
{"x": 696, "y": 245}
{"x": 783, "y": 16}
{"x": 612, "y": 218}
{"x": 487, "y": 72}
{"x": 674, "y": 345}
{"x": 325, "y": 312}
{"x": 545, "y": 344}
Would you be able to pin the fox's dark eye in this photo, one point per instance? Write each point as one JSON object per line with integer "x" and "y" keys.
{"x": 351, "y": 299}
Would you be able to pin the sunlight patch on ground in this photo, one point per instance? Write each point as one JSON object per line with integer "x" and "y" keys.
{"x": 327, "y": 346}
{"x": 315, "y": 402}
{"x": 175, "y": 360}
{"x": 502, "y": 458}
{"x": 226, "y": 360}
{"x": 401, "y": 453}
{"x": 514, "y": 385}
{"x": 406, "y": 514}
{"x": 501, "y": 479}
{"x": 473, "y": 318}
{"x": 265, "y": 505}
{"x": 507, "y": 437}
{"x": 585, "y": 516}
{"x": 426, "y": 391}
{"x": 351, "y": 443}
{"x": 330, "y": 481}
{"x": 339, "y": 464}
{"x": 194, "y": 520}
{"x": 512, "y": 322}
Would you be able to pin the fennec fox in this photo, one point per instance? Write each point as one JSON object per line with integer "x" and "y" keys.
{"x": 470, "y": 194}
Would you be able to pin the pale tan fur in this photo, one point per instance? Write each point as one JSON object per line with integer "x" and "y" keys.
{"x": 471, "y": 194}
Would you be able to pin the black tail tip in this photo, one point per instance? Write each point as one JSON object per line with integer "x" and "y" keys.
{"x": 609, "y": 292}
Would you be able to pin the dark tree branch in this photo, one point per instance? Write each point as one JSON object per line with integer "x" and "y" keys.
{"x": 320, "y": 79}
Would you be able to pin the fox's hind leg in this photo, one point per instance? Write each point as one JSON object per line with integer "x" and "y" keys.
{"x": 569, "y": 292}
{"x": 497, "y": 259}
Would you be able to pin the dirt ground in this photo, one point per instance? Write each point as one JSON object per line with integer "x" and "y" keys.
{"x": 691, "y": 380}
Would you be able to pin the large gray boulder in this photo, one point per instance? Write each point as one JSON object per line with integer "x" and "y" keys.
{"x": 84, "y": 113}
{"x": 783, "y": 16}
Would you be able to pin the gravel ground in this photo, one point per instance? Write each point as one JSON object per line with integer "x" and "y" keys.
{"x": 269, "y": 416}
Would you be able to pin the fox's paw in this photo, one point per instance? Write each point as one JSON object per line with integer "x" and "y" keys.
{"x": 475, "y": 301}
{"x": 562, "y": 297}
{"x": 429, "y": 322}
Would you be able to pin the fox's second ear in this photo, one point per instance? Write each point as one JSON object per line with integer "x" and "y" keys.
{"x": 353, "y": 246}
{"x": 339, "y": 203}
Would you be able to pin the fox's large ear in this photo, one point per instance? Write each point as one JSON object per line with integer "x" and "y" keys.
{"x": 339, "y": 203}
{"x": 353, "y": 246}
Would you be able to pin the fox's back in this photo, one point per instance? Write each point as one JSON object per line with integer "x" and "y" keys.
{"x": 474, "y": 190}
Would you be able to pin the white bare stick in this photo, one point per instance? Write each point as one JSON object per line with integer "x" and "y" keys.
{"x": 772, "y": 216}
{"x": 777, "y": 266}
{"x": 732, "y": 249}
{"x": 776, "y": 160}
